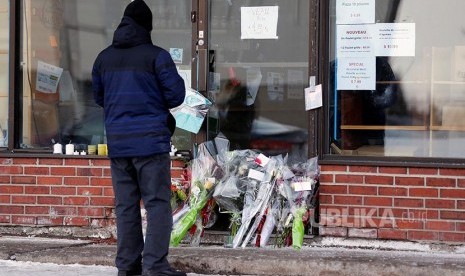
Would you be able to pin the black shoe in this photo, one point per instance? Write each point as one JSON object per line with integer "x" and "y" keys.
{"x": 130, "y": 272}
{"x": 168, "y": 272}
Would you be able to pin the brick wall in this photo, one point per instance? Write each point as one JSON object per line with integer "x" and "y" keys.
{"x": 59, "y": 191}
{"x": 419, "y": 204}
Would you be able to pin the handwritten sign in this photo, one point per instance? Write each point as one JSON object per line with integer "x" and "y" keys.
{"x": 259, "y": 22}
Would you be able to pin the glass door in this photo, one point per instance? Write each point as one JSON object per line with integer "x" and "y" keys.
{"x": 258, "y": 56}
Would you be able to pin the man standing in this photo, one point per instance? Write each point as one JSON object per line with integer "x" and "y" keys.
{"x": 137, "y": 83}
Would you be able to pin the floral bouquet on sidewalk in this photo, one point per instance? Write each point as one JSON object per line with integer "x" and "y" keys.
{"x": 205, "y": 173}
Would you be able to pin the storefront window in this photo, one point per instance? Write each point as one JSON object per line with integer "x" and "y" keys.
{"x": 59, "y": 44}
{"x": 397, "y": 85}
{"x": 4, "y": 46}
{"x": 258, "y": 72}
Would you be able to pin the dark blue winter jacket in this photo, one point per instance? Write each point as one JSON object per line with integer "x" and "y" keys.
{"x": 136, "y": 83}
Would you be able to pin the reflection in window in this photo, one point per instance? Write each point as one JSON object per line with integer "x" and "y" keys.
{"x": 412, "y": 109}
{"x": 60, "y": 42}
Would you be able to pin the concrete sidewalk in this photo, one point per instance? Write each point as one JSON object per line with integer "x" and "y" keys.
{"x": 317, "y": 257}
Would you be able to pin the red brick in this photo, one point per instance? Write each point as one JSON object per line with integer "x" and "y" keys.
{"x": 176, "y": 173}
{"x": 363, "y": 190}
{"x": 44, "y": 190}
{"x": 392, "y": 170}
{"x": 21, "y": 199}
{"x": 440, "y": 182}
{"x": 107, "y": 172}
{"x": 5, "y": 179}
{"x": 452, "y": 237}
{"x": 333, "y": 189}
{"x": 10, "y": 210}
{"x": 5, "y": 199}
{"x": 23, "y": 179}
{"x": 440, "y": 203}
{"x": 423, "y": 192}
{"x": 49, "y": 200}
{"x": 392, "y": 234}
{"x": 23, "y": 220}
{"x": 63, "y": 171}
{"x": 349, "y": 200}
{"x": 25, "y": 161}
{"x": 11, "y": 189}
{"x": 5, "y": 219}
{"x": 37, "y": 210}
{"x": 461, "y": 183}
{"x": 423, "y": 171}
{"x": 55, "y": 221}
{"x": 102, "y": 201}
{"x": 366, "y": 233}
{"x": 326, "y": 178}
{"x": 377, "y": 201}
{"x": 90, "y": 212}
{"x": 390, "y": 191}
{"x": 76, "y": 221}
{"x": 89, "y": 172}
{"x": 63, "y": 191}
{"x": 409, "y": 224}
{"x": 364, "y": 169}
{"x": 454, "y": 215}
{"x": 333, "y": 231}
{"x": 460, "y": 226}
{"x": 461, "y": 204}
{"x": 63, "y": 211}
{"x": 108, "y": 192}
{"x": 381, "y": 180}
{"x": 78, "y": 201}
{"x": 442, "y": 225}
{"x": 37, "y": 170}
{"x": 326, "y": 199}
{"x": 422, "y": 235}
{"x": 76, "y": 181}
{"x": 89, "y": 191}
{"x": 452, "y": 172}
{"x": 408, "y": 202}
{"x": 11, "y": 170}
{"x": 178, "y": 164}
{"x": 333, "y": 168}
{"x": 344, "y": 178}
{"x": 410, "y": 181}
{"x": 100, "y": 182}
{"x": 100, "y": 162}
{"x": 51, "y": 161}
{"x": 452, "y": 193}
{"x": 76, "y": 162}
{"x": 49, "y": 180}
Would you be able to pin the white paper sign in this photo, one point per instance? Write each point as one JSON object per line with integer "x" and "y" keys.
{"x": 48, "y": 77}
{"x": 355, "y": 11}
{"x": 313, "y": 97}
{"x": 356, "y": 73}
{"x": 254, "y": 174}
{"x": 356, "y": 40}
{"x": 259, "y": 22}
{"x": 176, "y": 54}
{"x": 395, "y": 39}
{"x": 301, "y": 186}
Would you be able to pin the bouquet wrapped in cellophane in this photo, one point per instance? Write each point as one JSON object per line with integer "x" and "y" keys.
{"x": 205, "y": 174}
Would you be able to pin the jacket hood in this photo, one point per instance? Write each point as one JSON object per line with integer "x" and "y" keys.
{"x": 130, "y": 34}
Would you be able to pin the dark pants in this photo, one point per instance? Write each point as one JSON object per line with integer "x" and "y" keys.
{"x": 149, "y": 179}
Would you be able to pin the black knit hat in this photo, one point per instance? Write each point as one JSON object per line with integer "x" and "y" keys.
{"x": 140, "y": 12}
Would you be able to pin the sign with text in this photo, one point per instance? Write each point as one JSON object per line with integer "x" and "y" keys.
{"x": 395, "y": 39}
{"x": 259, "y": 22}
{"x": 356, "y": 73}
{"x": 355, "y": 11}
{"x": 356, "y": 40}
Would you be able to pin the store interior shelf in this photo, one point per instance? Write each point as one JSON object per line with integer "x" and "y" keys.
{"x": 448, "y": 128}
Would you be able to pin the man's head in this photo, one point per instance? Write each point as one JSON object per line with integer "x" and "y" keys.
{"x": 140, "y": 12}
